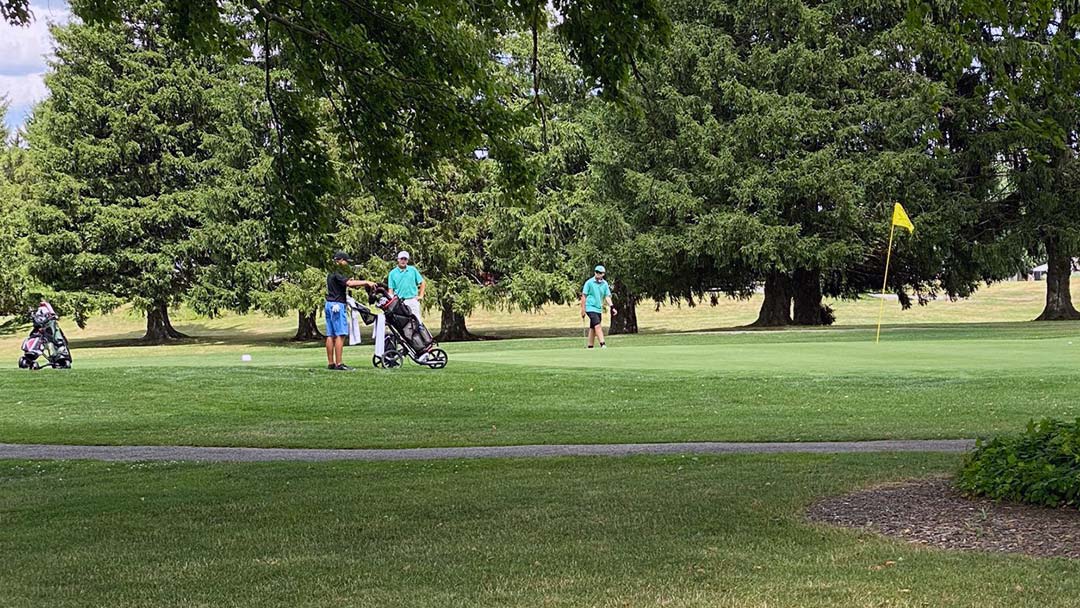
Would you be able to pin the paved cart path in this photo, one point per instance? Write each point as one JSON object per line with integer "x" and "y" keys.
{"x": 218, "y": 454}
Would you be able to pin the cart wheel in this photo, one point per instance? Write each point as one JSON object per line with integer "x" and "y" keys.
{"x": 391, "y": 359}
{"x": 377, "y": 361}
{"x": 437, "y": 358}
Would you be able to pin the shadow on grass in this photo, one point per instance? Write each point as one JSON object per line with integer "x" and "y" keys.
{"x": 13, "y": 326}
{"x": 240, "y": 336}
{"x": 1027, "y": 329}
{"x": 199, "y": 335}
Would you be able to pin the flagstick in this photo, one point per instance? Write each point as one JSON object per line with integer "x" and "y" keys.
{"x": 884, "y": 283}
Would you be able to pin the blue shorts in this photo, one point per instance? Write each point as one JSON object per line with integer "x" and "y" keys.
{"x": 337, "y": 323}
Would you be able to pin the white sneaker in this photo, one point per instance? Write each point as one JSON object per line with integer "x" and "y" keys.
{"x": 603, "y": 346}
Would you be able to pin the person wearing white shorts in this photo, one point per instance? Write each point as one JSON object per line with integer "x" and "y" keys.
{"x": 406, "y": 282}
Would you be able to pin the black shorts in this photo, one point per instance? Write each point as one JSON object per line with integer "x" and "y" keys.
{"x": 594, "y": 319}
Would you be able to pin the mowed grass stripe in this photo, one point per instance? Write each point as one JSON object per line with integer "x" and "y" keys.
{"x": 642, "y": 389}
{"x": 658, "y": 531}
{"x": 485, "y": 404}
{"x": 814, "y": 358}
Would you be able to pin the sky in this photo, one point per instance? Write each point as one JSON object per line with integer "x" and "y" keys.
{"x": 23, "y": 53}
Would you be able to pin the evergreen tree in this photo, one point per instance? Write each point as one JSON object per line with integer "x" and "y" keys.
{"x": 444, "y": 219}
{"x": 137, "y": 145}
{"x": 409, "y": 82}
{"x": 538, "y": 251}
{"x": 775, "y": 139}
{"x": 1021, "y": 62}
{"x": 15, "y": 177}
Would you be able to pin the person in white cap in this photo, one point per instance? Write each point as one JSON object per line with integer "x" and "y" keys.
{"x": 406, "y": 283}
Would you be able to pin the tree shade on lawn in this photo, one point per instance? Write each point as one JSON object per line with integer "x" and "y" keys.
{"x": 570, "y": 532}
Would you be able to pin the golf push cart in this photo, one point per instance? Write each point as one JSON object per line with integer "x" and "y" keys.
{"x": 46, "y": 339}
{"x": 404, "y": 336}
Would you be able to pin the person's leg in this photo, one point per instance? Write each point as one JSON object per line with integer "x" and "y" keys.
{"x": 339, "y": 346}
{"x": 414, "y": 306}
{"x": 337, "y": 327}
{"x": 595, "y": 329}
{"x": 328, "y": 317}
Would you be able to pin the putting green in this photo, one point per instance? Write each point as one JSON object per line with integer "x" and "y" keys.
{"x": 810, "y": 358}
{"x": 957, "y": 382}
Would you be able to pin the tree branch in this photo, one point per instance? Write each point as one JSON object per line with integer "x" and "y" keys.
{"x": 536, "y": 74}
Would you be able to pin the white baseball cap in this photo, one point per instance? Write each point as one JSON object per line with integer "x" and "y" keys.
{"x": 403, "y": 254}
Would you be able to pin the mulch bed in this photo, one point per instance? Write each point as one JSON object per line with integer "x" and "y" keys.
{"x": 932, "y": 512}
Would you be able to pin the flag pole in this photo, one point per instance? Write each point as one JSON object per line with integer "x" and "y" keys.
{"x": 884, "y": 283}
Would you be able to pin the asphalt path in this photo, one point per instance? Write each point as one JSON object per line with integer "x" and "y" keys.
{"x": 222, "y": 454}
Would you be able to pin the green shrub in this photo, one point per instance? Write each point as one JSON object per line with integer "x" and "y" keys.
{"x": 1040, "y": 466}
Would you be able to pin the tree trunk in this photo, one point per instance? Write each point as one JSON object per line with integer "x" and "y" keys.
{"x": 158, "y": 326}
{"x": 1059, "y": 306}
{"x": 307, "y": 328}
{"x": 625, "y": 322}
{"x": 776, "y": 308}
{"x": 452, "y": 327}
{"x": 806, "y": 291}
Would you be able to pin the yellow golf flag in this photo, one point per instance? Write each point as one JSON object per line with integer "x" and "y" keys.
{"x": 900, "y": 218}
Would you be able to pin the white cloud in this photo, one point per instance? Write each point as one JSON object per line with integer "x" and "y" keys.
{"x": 22, "y": 93}
{"x": 24, "y": 49}
{"x": 25, "y": 89}
{"x": 23, "y": 53}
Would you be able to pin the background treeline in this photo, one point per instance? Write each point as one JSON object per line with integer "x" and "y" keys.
{"x": 214, "y": 154}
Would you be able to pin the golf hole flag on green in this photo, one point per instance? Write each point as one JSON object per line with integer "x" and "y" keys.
{"x": 899, "y": 218}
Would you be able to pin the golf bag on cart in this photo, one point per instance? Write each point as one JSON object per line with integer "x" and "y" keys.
{"x": 406, "y": 336}
{"x": 46, "y": 339}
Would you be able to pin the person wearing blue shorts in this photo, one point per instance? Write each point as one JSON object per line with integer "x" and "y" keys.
{"x": 337, "y": 319}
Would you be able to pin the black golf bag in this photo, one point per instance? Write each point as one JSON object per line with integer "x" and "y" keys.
{"x": 45, "y": 339}
{"x": 405, "y": 334}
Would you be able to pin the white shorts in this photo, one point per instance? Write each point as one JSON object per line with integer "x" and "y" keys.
{"x": 414, "y": 306}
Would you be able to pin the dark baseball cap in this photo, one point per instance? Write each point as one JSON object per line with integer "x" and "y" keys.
{"x": 341, "y": 255}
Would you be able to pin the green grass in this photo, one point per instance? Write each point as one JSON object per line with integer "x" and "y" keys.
{"x": 643, "y": 531}
{"x": 656, "y": 531}
{"x": 1011, "y": 302}
{"x": 920, "y": 382}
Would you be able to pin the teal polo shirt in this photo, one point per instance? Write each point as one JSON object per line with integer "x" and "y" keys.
{"x": 405, "y": 282}
{"x": 595, "y": 292}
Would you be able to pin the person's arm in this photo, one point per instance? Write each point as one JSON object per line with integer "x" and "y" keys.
{"x": 390, "y": 284}
{"x": 422, "y": 285}
{"x": 607, "y": 299}
{"x": 360, "y": 283}
{"x": 582, "y": 305}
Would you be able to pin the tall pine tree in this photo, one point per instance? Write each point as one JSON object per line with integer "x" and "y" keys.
{"x": 133, "y": 148}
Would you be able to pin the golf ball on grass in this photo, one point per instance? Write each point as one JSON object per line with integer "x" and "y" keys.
{"x": 245, "y": 358}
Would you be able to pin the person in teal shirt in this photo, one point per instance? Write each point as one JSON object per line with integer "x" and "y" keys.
{"x": 594, "y": 294}
{"x": 406, "y": 283}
